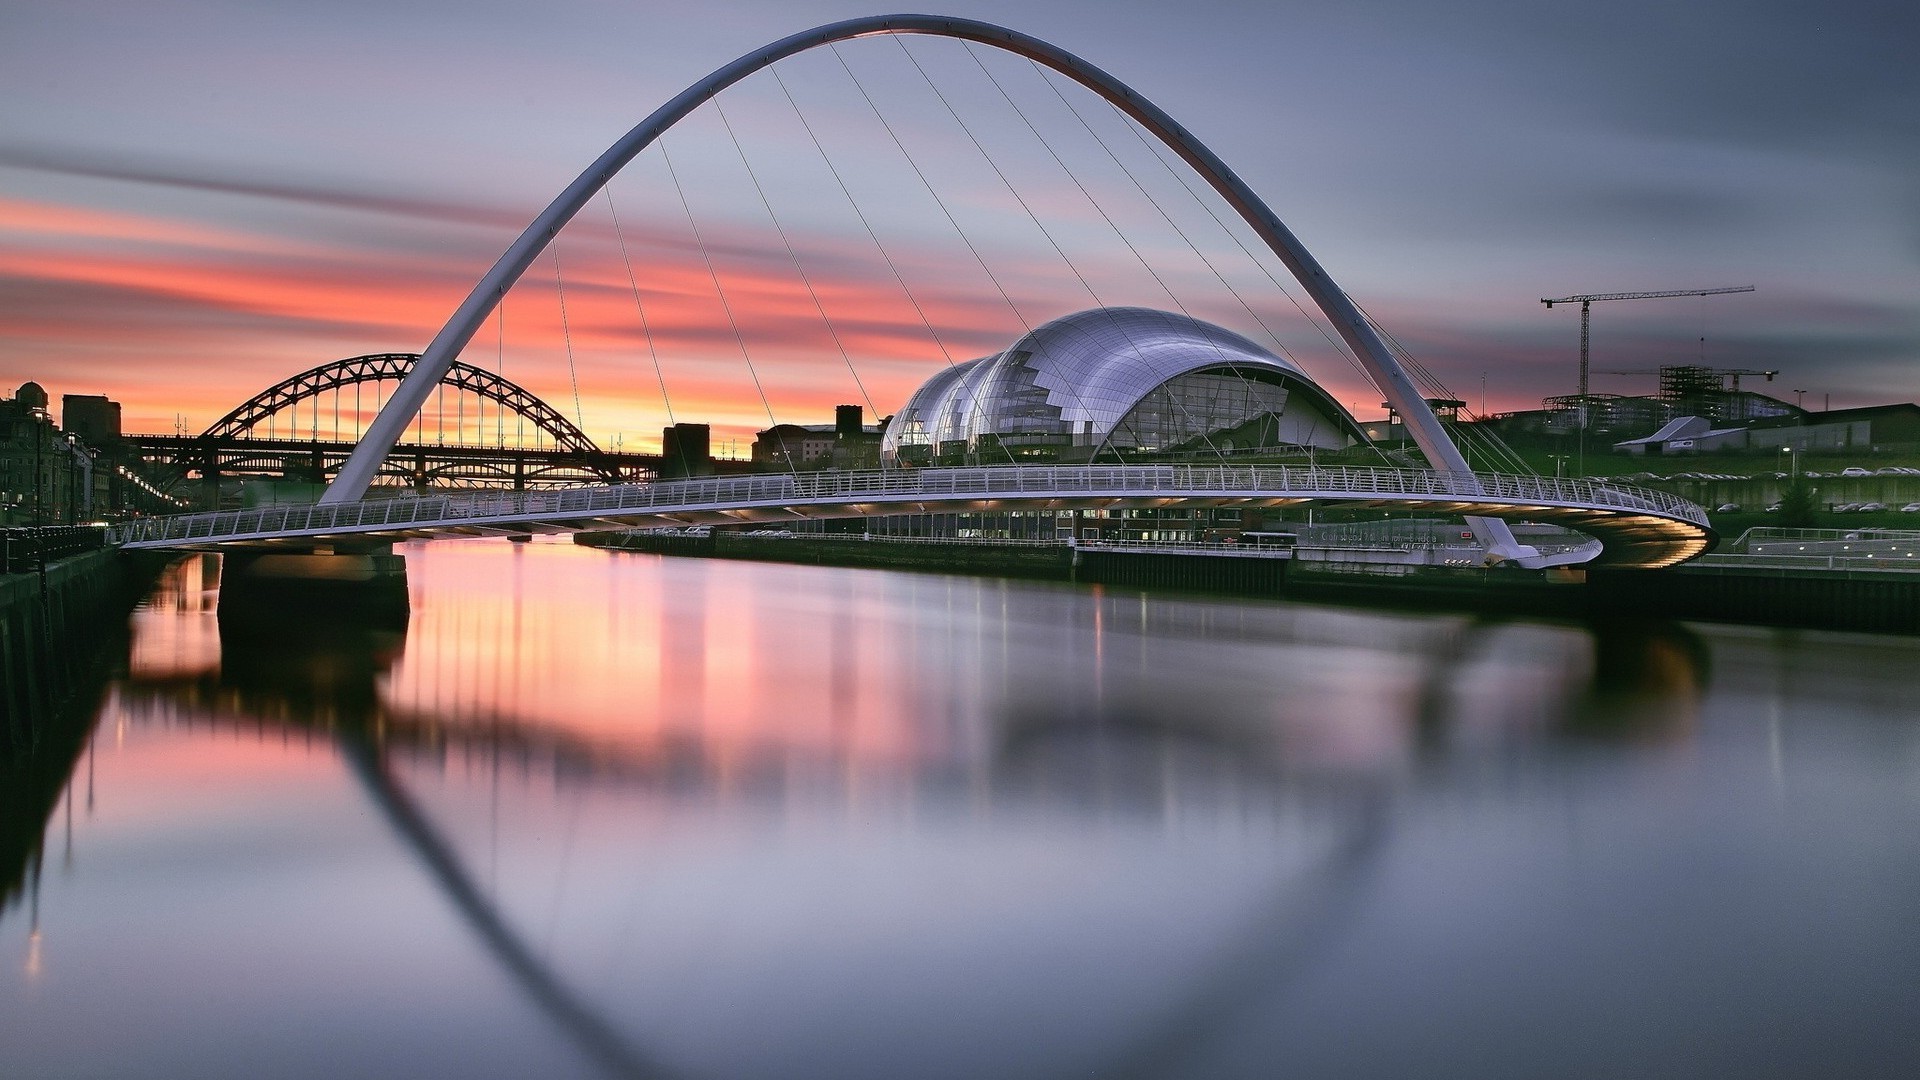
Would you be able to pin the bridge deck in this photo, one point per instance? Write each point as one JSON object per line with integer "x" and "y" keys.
{"x": 1636, "y": 526}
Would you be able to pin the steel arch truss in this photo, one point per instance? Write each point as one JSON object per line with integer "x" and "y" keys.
{"x": 395, "y": 367}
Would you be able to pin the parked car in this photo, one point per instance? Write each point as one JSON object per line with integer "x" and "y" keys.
{"x": 1911, "y": 508}
{"x": 1871, "y": 507}
{"x": 1728, "y": 508}
{"x": 1855, "y": 470}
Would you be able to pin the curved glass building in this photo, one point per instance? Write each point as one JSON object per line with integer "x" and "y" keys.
{"x": 1114, "y": 383}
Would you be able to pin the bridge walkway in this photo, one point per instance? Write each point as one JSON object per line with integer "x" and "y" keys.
{"x": 1634, "y": 526}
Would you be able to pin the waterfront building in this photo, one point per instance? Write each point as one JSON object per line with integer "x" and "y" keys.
{"x": 1117, "y": 384}
{"x": 1874, "y": 429}
{"x": 1112, "y": 384}
{"x": 686, "y": 450}
{"x": 94, "y": 419}
{"x": 847, "y": 443}
{"x": 66, "y": 473}
{"x": 47, "y": 476}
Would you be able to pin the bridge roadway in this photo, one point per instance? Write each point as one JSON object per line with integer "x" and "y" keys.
{"x": 436, "y": 463}
{"x": 1634, "y": 527}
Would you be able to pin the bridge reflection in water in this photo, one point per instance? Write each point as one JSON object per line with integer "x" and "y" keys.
{"x": 743, "y": 820}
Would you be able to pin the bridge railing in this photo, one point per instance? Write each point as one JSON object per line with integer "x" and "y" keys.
{"x": 894, "y": 486}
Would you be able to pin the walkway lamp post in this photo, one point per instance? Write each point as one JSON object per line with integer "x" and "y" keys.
{"x": 39, "y": 480}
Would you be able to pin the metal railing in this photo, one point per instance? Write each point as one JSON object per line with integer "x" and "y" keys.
{"x": 1906, "y": 562}
{"x": 25, "y": 550}
{"x": 907, "y": 486}
{"x": 1184, "y": 547}
{"x": 1767, "y": 534}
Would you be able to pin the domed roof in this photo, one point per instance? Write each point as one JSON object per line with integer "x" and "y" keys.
{"x": 32, "y": 395}
{"x": 1080, "y": 375}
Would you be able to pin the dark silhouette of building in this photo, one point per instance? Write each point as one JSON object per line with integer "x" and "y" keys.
{"x": 686, "y": 450}
{"x": 46, "y": 477}
{"x": 94, "y": 419}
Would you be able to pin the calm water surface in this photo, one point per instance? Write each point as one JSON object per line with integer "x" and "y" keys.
{"x": 605, "y": 815}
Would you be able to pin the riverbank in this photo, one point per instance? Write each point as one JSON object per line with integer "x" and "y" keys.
{"x": 1876, "y": 601}
{"x": 59, "y": 626}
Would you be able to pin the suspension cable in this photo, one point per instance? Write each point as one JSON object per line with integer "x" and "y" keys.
{"x": 1324, "y": 331}
{"x": 738, "y": 337}
{"x": 1025, "y": 326}
{"x": 1489, "y": 441}
{"x": 500, "y": 368}
{"x": 1317, "y": 324}
{"x": 872, "y": 234}
{"x": 794, "y": 257}
{"x": 861, "y": 214}
{"x": 634, "y": 283}
{"x": 1164, "y": 214}
{"x": 1107, "y": 442}
{"x": 566, "y": 333}
{"x": 1238, "y": 374}
{"x": 964, "y": 238}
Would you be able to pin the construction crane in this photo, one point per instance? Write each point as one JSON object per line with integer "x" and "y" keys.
{"x": 1586, "y": 306}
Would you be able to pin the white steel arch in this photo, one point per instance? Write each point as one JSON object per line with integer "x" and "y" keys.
{"x": 1359, "y": 335}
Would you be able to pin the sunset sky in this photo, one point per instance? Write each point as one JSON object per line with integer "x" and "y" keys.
{"x": 198, "y": 199}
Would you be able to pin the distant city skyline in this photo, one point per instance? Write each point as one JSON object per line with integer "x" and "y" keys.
{"x": 200, "y": 199}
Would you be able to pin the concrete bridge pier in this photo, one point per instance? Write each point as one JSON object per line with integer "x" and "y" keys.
{"x": 289, "y": 588}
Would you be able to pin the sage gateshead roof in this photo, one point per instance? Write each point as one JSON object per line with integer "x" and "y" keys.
{"x": 1117, "y": 383}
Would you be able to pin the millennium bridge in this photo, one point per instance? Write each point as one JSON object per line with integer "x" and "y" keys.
{"x": 1631, "y": 527}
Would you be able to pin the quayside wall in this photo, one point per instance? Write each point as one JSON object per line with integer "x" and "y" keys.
{"x": 1015, "y": 559}
{"x": 1871, "y": 601}
{"x": 60, "y": 628}
{"x": 54, "y": 623}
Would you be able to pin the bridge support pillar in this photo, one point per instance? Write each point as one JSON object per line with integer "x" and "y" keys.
{"x": 277, "y": 590}
{"x": 211, "y": 475}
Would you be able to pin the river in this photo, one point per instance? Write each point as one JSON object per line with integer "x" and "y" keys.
{"x": 603, "y": 814}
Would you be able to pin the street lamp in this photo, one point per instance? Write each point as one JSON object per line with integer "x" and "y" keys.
{"x": 39, "y": 482}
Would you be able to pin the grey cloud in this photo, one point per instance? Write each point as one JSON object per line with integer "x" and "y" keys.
{"x": 68, "y": 162}
{"x": 37, "y": 309}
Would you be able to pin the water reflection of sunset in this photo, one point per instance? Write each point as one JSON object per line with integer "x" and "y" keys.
{"x": 637, "y": 651}
{"x": 737, "y": 817}
{"x": 645, "y": 661}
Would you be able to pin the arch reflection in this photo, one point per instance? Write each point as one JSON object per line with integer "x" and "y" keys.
{"x": 1080, "y": 734}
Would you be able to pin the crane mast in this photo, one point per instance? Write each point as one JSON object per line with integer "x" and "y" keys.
{"x": 1586, "y": 316}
